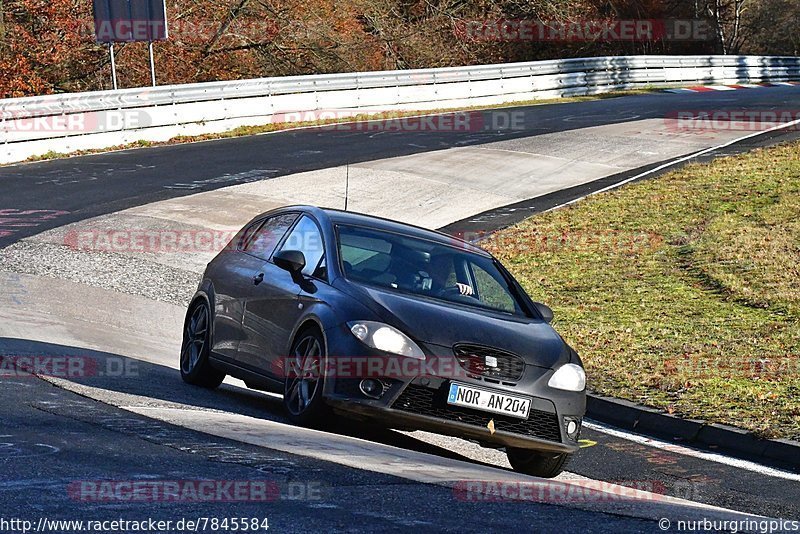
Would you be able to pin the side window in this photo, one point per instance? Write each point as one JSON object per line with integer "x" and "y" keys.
{"x": 307, "y": 238}
{"x": 247, "y": 234}
{"x": 322, "y": 270}
{"x": 491, "y": 293}
{"x": 262, "y": 242}
{"x": 364, "y": 258}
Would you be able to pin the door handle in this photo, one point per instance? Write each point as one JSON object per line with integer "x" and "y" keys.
{"x": 257, "y": 279}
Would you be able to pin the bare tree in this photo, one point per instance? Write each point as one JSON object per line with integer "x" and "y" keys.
{"x": 730, "y": 26}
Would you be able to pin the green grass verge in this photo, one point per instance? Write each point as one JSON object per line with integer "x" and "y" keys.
{"x": 681, "y": 292}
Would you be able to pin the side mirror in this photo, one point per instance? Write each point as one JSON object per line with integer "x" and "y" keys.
{"x": 293, "y": 261}
{"x": 544, "y": 311}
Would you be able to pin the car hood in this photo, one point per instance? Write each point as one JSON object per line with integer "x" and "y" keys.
{"x": 432, "y": 322}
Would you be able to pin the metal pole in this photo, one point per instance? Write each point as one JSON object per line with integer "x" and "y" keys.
{"x": 113, "y": 66}
{"x": 346, "y": 186}
{"x": 152, "y": 65}
{"x": 2, "y": 23}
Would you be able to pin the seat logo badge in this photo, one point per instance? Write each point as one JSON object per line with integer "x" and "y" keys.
{"x": 491, "y": 361}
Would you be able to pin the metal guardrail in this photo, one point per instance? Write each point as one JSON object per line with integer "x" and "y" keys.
{"x": 78, "y": 121}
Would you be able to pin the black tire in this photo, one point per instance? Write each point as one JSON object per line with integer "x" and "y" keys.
{"x": 536, "y": 463}
{"x": 195, "y": 367}
{"x": 304, "y": 382}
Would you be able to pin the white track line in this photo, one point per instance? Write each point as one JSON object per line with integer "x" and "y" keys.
{"x": 678, "y": 160}
{"x": 404, "y": 463}
{"x": 713, "y": 457}
{"x": 686, "y": 451}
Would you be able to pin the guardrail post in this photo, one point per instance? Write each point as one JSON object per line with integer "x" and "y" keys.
{"x": 174, "y": 102}
{"x": 224, "y": 103}
{"x": 271, "y": 100}
{"x": 5, "y": 136}
{"x": 469, "y": 84}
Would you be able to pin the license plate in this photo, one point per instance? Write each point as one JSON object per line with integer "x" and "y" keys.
{"x": 488, "y": 401}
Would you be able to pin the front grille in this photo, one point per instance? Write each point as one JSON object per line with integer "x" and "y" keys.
{"x": 425, "y": 401}
{"x": 509, "y": 367}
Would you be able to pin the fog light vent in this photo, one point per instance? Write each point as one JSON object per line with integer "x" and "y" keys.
{"x": 572, "y": 426}
{"x": 372, "y": 388}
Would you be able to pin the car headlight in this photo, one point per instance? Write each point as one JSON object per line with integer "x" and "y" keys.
{"x": 386, "y": 338}
{"x": 569, "y": 377}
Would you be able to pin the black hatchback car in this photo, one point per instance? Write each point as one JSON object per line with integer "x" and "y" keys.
{"x": 388, "y": 323}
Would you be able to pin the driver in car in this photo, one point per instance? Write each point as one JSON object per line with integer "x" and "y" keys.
{"x": 440, "y": 270}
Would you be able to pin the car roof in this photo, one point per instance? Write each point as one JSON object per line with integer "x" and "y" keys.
{"x": 379, "y": 223}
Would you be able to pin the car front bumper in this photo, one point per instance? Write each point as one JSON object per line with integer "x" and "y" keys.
{"x": 463, "y": 428}
{"x": 419, "y": 402}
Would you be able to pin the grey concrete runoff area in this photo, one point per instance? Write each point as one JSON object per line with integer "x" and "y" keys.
{"x": 121, "y": 309}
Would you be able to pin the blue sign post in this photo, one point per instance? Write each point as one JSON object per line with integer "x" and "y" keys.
{"x": 126, "y": 21}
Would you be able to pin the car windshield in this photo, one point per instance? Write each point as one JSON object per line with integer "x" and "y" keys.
{"x": 412, "y": 265}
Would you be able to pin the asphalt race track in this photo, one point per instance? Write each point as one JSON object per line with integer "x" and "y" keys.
{"x": 90, "y": 186}
{"x": 149, "y": 426}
